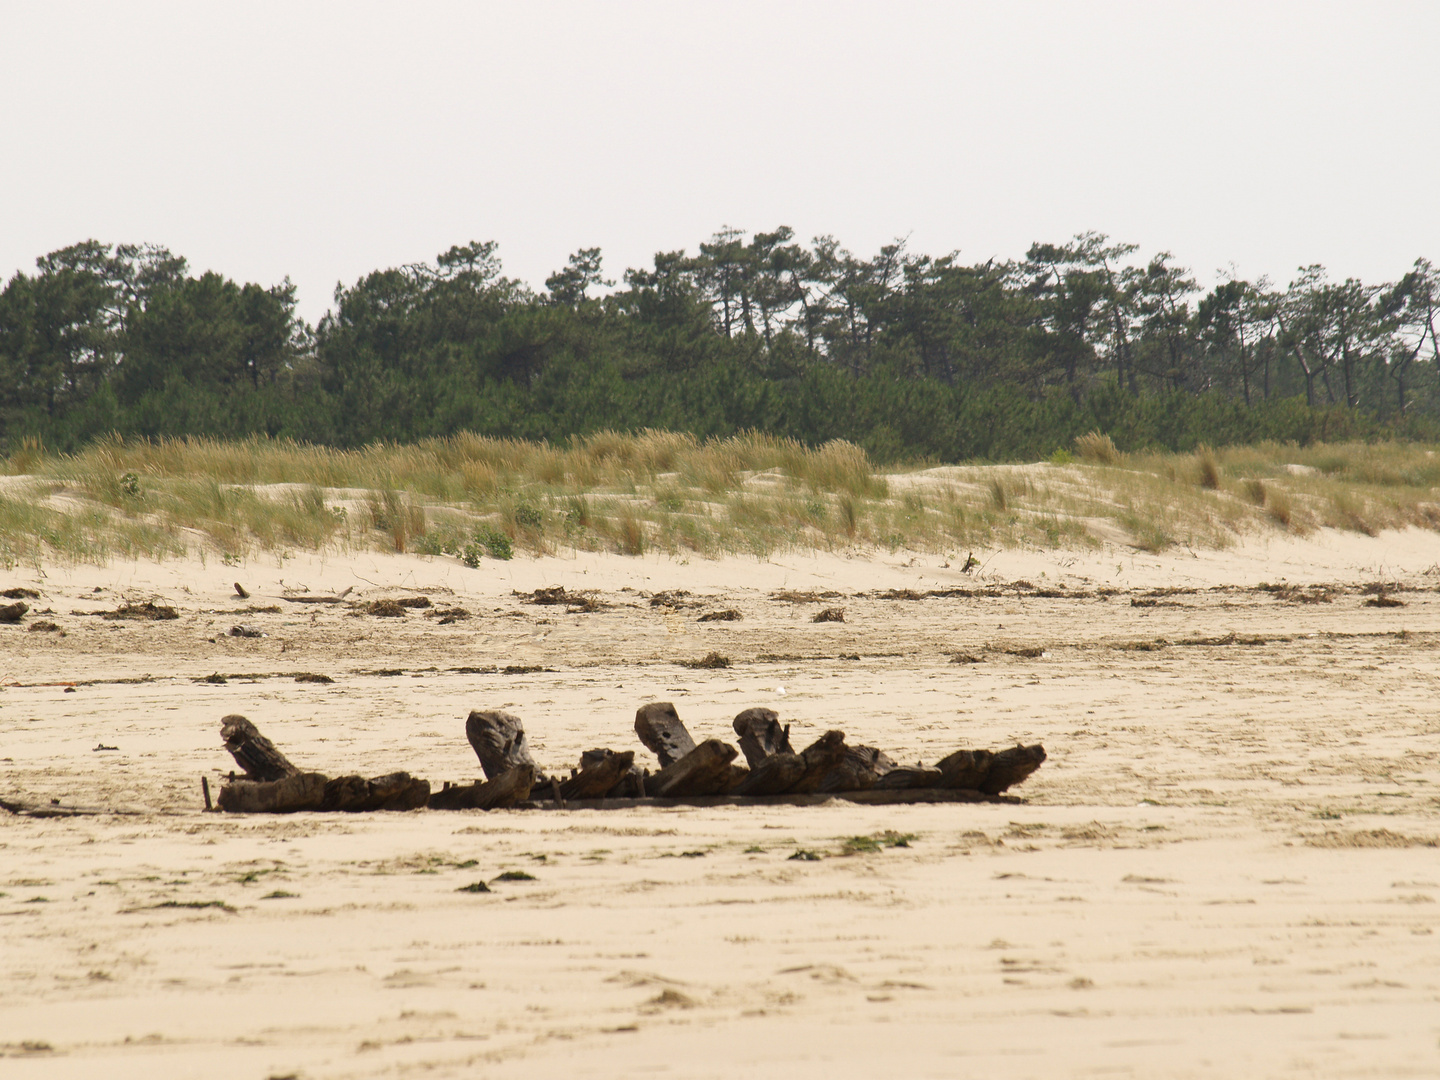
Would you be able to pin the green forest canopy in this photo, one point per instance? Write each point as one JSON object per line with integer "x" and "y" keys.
{"x": 911, "y": 356}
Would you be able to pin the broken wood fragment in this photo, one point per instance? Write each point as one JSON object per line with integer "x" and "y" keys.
{"x": 1010, "y": 767}
{"x": 503, "y": 792}
{"x": 820, "y": 757}
{"x": 629, "y": 786}
{"x": 761, "y": 735}
{"x": 873, "y": 797}
{"x": 301, "y": 791}
{"x": 964, "y": 769}
{"x": 599, "y": 771}
{"x": 498, "y": 739}
{"x": 859, "y": 769}
{"x": 705, "y": 770}
{"x": 254, "y": 753}
{"x": 906, "y": 777}
{"x": 660, "y": 729}
{"x": 774, "y": 775}
{"x": 394, "y": 791}
{"x": 53, "y": 809}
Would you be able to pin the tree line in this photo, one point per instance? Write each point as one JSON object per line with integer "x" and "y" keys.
{"x": 910, "y": 355}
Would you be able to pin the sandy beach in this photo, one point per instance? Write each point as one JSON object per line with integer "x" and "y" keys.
{"x": 1227, "y": 867}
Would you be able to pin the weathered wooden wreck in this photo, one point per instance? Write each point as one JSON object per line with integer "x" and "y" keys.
{"x": 687, "y": 773}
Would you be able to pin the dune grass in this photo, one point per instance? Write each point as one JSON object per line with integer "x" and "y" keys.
{"x": 473, "y": 498}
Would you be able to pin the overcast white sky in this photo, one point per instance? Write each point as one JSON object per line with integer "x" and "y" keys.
{"x": 324, "y": 140}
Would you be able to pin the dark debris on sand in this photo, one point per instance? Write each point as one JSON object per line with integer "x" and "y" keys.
{"x": 709, "y": 661}
{"x": 574, "y": 602}
{"x": 149, "y": 611}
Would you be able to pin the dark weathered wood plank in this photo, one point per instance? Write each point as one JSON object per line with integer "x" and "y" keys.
{"x": 1010, "y": 767}
{"x": 859, "y": 768}
{"x": 254, "y": 753}
{"x": 703, "y": 771}
{"x": 394, "y": 791}
{"x": 964, "y": 769}
{"x": 873, "y": 797}
{"x": 54, "y": 810}
{"x": 498, "y": 739}
{"x": 909, "y": 776}
{"x": 772, "y": 775}
{"x": 503, "y": 792}
{"x": 303, "y": 791}
{"x": 662, "y": 732}
{"x": 629, "y": 786}
{"x": 600, "y": 771}
{"x": 761, "y": 735}
{"x": 820, "y": 757}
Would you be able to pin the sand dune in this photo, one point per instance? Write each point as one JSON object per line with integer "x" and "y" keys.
{"x": 1227, "y": 867}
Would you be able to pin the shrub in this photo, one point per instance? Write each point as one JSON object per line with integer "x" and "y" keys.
{"x": 496, "y": 543}
{"x": 1208, "y": 467}
{"x": 1097, "y": 448}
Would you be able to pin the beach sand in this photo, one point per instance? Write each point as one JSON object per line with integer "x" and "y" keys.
{"x": 1227, "y": 867}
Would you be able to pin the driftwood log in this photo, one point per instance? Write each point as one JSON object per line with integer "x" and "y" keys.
{"x": 254, "y": 753}
{"x": 660, "y": 729}
{"x": 498, "y": 739}
{"x": 761, "y": 735}
{"x": 503, "y": 792}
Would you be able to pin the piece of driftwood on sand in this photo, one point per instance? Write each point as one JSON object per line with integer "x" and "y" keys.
{"x": 273, "y": 785}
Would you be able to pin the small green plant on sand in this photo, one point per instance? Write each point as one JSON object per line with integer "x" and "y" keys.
{"x": 866, "y": 845}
